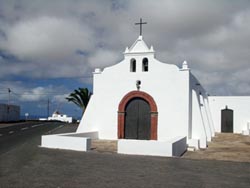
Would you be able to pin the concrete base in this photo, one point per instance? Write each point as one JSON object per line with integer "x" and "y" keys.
{"x": 194, "y": 143}
{"x": 71, "y": 141}
{"x": 169, "y": 148}
{"x": 246, "y": 132}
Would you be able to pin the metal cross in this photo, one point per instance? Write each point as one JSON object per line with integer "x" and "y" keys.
{"x": 140, "y": 23}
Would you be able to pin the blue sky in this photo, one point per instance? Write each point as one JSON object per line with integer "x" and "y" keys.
{"x": 49, "y": 48}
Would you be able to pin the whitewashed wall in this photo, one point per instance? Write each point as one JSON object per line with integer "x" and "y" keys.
{"x": 167, "y": 84}
{"x": 241, "y": 110}
{"x": 114, "y": 83}
{"x": 202, "y": 125}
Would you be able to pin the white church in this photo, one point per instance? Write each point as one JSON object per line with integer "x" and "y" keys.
{"x": 152, "y": 108}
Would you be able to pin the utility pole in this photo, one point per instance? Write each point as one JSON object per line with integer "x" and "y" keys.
{"x": 48, "y": 107}
{"x": 9, "y": 96}
{"x": 8, "y": 106}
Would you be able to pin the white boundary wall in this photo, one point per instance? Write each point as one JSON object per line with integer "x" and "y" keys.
{"x": 173, "y": 147}
{"x": 241, "y": 111}
{"x": 71, "y": 141}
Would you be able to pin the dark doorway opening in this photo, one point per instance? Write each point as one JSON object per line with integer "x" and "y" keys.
{"x": 137, "y": 120}
{"x": 227, "y": 120}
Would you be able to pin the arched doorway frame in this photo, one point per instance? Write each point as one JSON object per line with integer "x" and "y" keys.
{"x": 121, "y": 112}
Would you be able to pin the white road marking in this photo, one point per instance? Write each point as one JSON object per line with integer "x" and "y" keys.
{"x": 36, "y": 125}
{"x": 11, "y": 132}
{"x": 53, "y": 130}
{"x": 24, "y": 128}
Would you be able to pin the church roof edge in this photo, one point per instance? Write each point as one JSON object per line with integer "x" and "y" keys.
{"x": 139, "y": 46}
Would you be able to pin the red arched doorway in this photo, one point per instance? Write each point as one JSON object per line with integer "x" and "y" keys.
{"x": 122, "y": 112}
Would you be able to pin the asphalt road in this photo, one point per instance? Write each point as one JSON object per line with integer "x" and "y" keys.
{"x": 16, "y": 134}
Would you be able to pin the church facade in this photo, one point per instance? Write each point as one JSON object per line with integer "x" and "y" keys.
{"x": 141, "y": 97}
{"x": 149, "y": 106}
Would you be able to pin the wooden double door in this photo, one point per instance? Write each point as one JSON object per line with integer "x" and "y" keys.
{"x": 137, "y": 120}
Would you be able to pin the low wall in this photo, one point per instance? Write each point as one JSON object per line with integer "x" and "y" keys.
{"x": 195, "y": 143}
{"x": 246, "y": 131}
{"x": 71, "y": 141}
{"x": 179, "y": 146}
{"x": 92, "y": 135}
{"x": 82, "y": 142}
{"x": 169, "y": 148}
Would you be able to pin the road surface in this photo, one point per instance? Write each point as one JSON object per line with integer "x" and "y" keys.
{"x": 16, "y": 134}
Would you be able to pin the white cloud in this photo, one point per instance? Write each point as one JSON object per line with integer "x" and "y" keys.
{"x": 47, "y": 47}
{"x": 103, "y": 58}
{"x": 60, "y": 98}
{"x": 45, "y": 35}
{"x": 50, "y": 38}
{"x": 35, "y": 94}
{"x": 21, "y": 92}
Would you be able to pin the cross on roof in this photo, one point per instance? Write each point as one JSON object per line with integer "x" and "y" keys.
{"x": 140, "y": 23}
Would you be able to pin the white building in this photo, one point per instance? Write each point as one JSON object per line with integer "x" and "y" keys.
{"x": 237, "y": 117}
{"x": 9, "y": 113}
{"x": 155, "y": 108}
{"x": 57, "y": 116}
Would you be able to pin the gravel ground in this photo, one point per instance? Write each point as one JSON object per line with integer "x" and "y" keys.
{"x": 226, "y": 147}
{"x": 51, "y": 168}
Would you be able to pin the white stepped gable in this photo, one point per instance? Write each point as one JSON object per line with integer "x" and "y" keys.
{"x": 139, "y": 46}
{"x": 185, "y": 66}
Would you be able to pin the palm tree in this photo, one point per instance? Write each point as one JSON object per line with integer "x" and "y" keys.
{"x": 80, "y": 97}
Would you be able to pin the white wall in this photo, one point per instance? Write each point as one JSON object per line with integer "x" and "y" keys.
{"x": 198, "y": 127}
{"x": 111, "y": 85}
{"x": 202, "y": 122}
{"x": 172, "y": 147}
{"x": 241, "y": 110}
{"x": 66, "y": 141}
{"x": 182, "y": 104}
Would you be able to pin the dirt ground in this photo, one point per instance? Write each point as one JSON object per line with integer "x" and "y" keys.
{"x": 104, "y": 146}
{"x": 224, "y": 146}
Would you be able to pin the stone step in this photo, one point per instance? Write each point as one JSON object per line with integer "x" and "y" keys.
{"x": 104, "y": 146}
{"x": 190, "y": 148}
